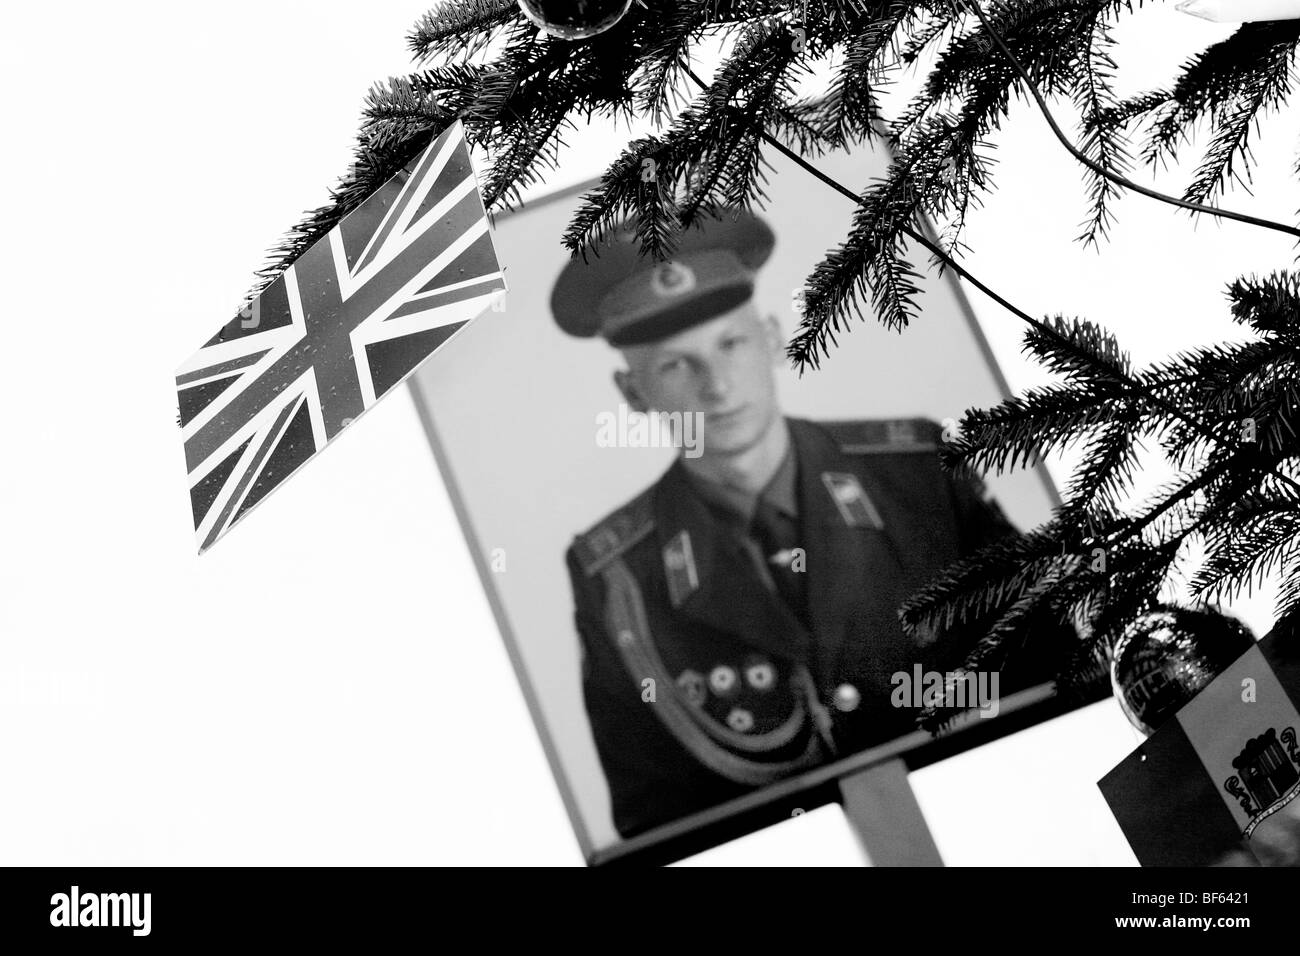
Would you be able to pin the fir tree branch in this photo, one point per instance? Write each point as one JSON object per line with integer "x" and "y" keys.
{"x": 1239, "y": 495}
{"x": 999, "y": 575}
{"x": 633, "y": 68}
{"x": 849, "y": 112}
{"x": 1259, "y": 536}
{"x": 1107, "y": 174}
{"x": 936, "y": 165}
{"x": 1238, "y": 68}
{"x": 1270, "y": 305}
{"x": 748, "y": 87}
{"x": 1233, "y": 129}
{"x": 463, "y": 27}
{"x": 1048, "y": 333}
{"x": 1089, "y": 355}
{"x": 1103, "y": 143}
{"x": 1022, "y": 430}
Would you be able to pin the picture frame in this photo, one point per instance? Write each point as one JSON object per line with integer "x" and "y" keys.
{"x": 509, "y": 413}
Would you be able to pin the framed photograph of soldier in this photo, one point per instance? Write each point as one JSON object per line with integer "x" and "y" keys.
{"x": 694, "y": 554}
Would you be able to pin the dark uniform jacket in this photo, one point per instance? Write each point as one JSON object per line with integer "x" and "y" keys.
{"x": 701, "y": 683}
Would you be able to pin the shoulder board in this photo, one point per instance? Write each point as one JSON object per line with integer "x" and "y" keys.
{"x": 886, "y": 435}
{"x": 615, "y": 534}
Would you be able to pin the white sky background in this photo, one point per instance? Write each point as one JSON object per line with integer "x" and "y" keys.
{"x": 327, "y": 684}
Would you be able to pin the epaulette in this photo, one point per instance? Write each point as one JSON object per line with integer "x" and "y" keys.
{"x": 615, "y": 534}
{"x": 886, "y": 435}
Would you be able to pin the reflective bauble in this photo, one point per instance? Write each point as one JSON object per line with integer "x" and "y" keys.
{"x": 574, "y": 19}
{"x": 1167, "y": 655}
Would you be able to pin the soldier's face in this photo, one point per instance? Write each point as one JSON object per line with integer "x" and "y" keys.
{"x": 722, "y": 369}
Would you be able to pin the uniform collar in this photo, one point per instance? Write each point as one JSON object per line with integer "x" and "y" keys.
{"x": 709, "y": 575}
{"x": 855, "y": 572}
{"x": 782, "y": 490}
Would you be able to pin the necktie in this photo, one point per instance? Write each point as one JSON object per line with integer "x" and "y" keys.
{"x": 778, "y": 536}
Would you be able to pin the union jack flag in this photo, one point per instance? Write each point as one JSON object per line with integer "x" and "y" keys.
{"x": 353, "y": 316}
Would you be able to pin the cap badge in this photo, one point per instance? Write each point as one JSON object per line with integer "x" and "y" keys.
{"x": 671, "y": 278}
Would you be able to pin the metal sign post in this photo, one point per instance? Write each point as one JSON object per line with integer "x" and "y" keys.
{"x": 886, "y": 817}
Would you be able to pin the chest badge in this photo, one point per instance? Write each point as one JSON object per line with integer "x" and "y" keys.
{"x": 854, "y": 506}
{"x": 679, "y": 568}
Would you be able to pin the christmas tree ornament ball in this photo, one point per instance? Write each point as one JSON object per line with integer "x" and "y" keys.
{"x": 574, "y": 19}
{"x": 1167, "y": 655}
